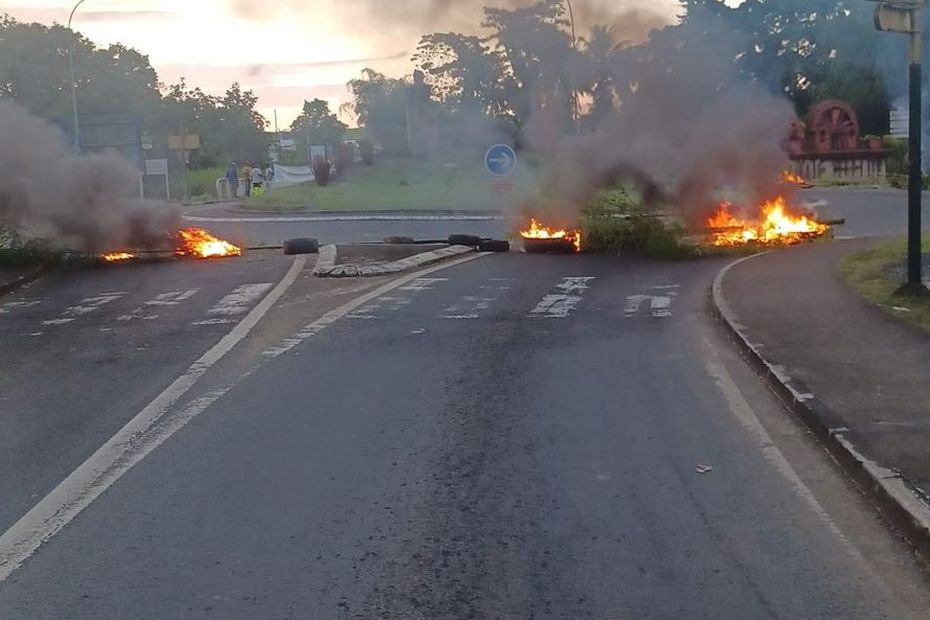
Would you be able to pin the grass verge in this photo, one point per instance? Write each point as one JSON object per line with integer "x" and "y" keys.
{"x": 873, "y": 274}
{"x": 401, "y": 184}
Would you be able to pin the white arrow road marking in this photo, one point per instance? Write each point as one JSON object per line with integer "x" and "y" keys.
{"x": 172, "y": 298}
{"x": 85, "y": 307}
{"x": 660, "y": 306}
{"x": 236, "y": 303}
{"x": 574, "y": 285}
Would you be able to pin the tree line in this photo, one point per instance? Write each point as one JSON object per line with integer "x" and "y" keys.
{"x": 522, "y": 69}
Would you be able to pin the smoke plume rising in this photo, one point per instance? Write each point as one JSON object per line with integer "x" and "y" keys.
{"x": 80, "y": 203}
{"x": 689, "y": 129}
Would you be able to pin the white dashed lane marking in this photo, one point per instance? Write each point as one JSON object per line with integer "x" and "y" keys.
{"x": 235, "y": 304}
{"x": 560, "y": 305}
{"x": 469, "y": 308}
{"x": 11, "y": 306}
{"x": 85, "y": 307}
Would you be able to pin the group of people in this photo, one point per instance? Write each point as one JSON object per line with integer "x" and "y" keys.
{"x": 257, "y": 179}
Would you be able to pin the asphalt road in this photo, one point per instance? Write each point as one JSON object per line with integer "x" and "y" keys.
{"x": 868, "y": 212}
{"x": 511, "y": 437}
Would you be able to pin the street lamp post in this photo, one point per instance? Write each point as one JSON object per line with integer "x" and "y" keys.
{"x": 571, "y": 18}
{"x": 74, "y": 105}
{"x": 904, "y": 16}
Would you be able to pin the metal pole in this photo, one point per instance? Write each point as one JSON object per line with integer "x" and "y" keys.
{"x": 915, "y": 176}
{"x": 571, "y": 18}
{"x": 74, "y": 105}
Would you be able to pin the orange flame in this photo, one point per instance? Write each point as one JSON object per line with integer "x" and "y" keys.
{"x": 112, "y": 257}
{"x": 791, "y": 177}
{"x": 198, "y": 242}
{"x": 776, "y": 227}
{"x": 537, "y": 231}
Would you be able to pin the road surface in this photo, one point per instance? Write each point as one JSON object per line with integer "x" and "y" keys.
{"x": 512, "y": 436}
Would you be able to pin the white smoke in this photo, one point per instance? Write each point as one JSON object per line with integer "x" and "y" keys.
{"x": 81, "y": 203}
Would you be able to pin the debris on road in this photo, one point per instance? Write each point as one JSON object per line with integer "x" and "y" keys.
{"x": 703, "y": 469}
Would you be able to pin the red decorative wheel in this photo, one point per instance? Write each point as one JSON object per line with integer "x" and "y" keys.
{"x": 832, "y": 126}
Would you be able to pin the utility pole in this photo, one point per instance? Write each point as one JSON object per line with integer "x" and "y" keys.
{"x": 74, "y": 105}
{"x": 904, "y": 16}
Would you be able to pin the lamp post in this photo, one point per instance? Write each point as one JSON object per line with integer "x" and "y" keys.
{"x": 904, "y": 16}
{"x": 571, "y": 18}
{"x": 74, "y": 105}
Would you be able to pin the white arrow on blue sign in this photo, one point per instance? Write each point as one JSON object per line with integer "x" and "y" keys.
{"x": 500, "y": 160}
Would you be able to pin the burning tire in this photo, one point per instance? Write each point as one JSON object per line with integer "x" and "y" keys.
{"x": 470, "y": 240}
{"x": 494, "y": 245}
{"x": 301, "y": 246}
{"x": 549, "y": 246}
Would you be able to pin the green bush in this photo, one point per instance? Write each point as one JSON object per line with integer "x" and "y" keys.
{"x": 321, "y": 170}
{"x": 615, "y": 221}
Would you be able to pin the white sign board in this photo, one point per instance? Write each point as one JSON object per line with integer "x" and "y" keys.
{"x": 155, "y": 167}
{"x": 291, "y": 175}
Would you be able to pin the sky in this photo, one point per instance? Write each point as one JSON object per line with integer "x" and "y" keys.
{"x": 289, "y": 50}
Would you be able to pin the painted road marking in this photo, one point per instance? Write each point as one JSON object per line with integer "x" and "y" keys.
{"x": 560, "y": 305}
{"x": 86, "y": 306}
{"x": 574, "y": 285}
{"x": 659, "y": 305}
{"x": 423, "y": 284}
{"x": 10, "y": 306}
{"x": 132, "y": 443}
{"x": 236, "y": 303}
{"x": 469, "y": 308}
{"x": 172, "y": 298}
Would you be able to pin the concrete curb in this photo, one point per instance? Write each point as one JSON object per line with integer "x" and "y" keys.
{"x": 20, "y": 282}
{"x": 327, "y": 268}
{"x": 898, "y": 503}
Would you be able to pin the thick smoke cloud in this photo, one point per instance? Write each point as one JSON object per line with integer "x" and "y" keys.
{"x": 632, "y": 18}
{"x": 80, "y": 203}
{"x": 692, "y": 132}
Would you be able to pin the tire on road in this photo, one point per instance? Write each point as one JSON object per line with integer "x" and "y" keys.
{"x": 301, "y": 246}
{"x": 471, "y": 240}
{"x": 494, "y": 245}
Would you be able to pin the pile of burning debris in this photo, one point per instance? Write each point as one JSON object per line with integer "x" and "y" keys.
{"x": 777, "y": 224}
{"x": 187, "y": 242}
{"x": 540, "y": 239}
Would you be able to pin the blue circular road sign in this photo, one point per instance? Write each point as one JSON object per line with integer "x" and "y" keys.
{"x": 500, "y": 160}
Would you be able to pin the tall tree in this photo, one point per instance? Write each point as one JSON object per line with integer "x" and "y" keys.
{"x": 380, "y": 104}
{"x": 318, "y": 121}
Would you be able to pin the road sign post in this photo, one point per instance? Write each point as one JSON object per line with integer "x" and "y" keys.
{"x": 903, "y": 16}
{"x": 500, "y": 160}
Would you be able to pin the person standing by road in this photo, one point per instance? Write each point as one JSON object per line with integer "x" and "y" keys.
{"x": 232, "y": 180}
{"x": 247, "y": 175}
{"x": 269, "y": 177}
{"x": 257, "y": 180}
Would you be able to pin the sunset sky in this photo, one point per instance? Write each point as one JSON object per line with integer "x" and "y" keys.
{"x": 290, "y": 50}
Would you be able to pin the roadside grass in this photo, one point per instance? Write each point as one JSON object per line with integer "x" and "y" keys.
{"x": 873, "y": 274}
{"x": 401, "y": 184}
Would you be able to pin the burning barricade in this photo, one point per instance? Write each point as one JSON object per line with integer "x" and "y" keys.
{"x": 187, "y": 242}
{"x": 776, "y": 224}
{"x": 538, "y": 238}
